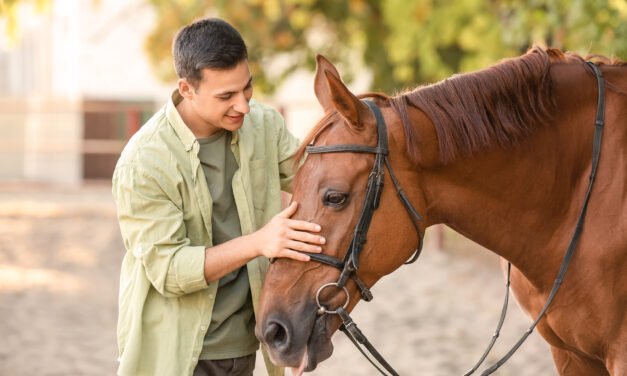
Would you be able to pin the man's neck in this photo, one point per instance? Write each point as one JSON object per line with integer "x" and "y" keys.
{"x": 197, "y": 125}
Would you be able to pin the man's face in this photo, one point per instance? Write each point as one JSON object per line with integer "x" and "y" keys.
{"x": 221, "y": 98}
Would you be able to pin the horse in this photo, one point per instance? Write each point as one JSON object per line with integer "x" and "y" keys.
{"x": 502, "y": 156}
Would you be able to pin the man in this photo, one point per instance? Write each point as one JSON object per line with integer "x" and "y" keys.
{"x": 198, "y": 192}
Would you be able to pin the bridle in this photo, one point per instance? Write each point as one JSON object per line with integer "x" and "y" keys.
{"x": 350, "y": 263}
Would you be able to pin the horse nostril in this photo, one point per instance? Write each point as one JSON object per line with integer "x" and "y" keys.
{"x": 276, "y": 336}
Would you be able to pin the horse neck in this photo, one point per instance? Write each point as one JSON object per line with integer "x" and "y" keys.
{"x": 521, "y": 203}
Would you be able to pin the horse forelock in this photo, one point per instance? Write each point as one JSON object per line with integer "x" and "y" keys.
{"x": 496, "y": 106}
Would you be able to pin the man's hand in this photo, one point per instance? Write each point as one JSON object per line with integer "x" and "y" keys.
{"x": 282, "y": 236}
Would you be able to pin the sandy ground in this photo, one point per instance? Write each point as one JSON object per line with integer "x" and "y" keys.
{"x": 60, "y": 254}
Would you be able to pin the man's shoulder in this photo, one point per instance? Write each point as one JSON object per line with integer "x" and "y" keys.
{"x": 150, "y": 143}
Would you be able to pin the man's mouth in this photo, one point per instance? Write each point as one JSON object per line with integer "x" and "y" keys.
{"x": 235, "y": 118}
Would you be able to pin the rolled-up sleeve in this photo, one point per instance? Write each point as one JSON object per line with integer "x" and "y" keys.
{"x": 153, "y": 230}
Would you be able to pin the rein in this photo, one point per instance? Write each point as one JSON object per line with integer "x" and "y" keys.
{"x": 350, "y": 263}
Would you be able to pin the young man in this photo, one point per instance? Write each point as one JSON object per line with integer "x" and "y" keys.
{"x": 198, "y": 192}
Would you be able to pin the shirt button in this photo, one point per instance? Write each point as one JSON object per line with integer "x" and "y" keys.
{"x": 210, "y": 296}
{"x": 188, "y": 147}
{"x": 194, "y": 359}
{"x": 203, "y": 328}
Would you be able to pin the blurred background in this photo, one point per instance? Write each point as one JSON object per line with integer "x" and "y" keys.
{"x": 79, "y": 77}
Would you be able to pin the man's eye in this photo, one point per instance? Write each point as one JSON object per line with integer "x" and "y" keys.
{"x": 225, "y": 98}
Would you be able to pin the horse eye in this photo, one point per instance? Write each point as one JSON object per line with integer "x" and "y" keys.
{"x": 335, "y": 198}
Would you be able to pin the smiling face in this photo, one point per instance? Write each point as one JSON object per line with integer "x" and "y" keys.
{"x": 218, "y": 101}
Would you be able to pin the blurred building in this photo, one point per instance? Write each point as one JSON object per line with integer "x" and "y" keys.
{"x": 73, "y": 89}
{"x": 77, "y": 85}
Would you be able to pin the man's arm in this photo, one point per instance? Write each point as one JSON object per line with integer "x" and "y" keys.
{"x": 281, "y": 237}
{"x": 154, "y": 232}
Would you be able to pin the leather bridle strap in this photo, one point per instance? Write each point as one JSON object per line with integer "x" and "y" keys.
{"x": 359, "y": 339}
{"x": 570, "y": 251}
{"x": 323, "y": 149}
{"x": 349, "y": 265}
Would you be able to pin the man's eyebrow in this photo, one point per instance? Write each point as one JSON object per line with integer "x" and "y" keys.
{"x": 250, "y": 81}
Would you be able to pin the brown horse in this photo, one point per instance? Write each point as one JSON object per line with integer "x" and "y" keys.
{"x": 502, "y": 156}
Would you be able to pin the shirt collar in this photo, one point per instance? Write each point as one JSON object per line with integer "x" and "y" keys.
{"x": 174, "y": 118}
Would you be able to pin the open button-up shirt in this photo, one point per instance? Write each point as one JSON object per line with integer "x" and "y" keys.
{"x": 164, "y": 210}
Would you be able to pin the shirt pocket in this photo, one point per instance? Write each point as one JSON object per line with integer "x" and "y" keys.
{"x": 258, "y": 181}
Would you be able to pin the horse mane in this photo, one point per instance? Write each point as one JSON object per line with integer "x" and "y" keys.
{"x": 496, "y": 106}
{"x": 499, "y": 105}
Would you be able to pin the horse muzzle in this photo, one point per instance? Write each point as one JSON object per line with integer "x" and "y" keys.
{"x": 301, "y": 341}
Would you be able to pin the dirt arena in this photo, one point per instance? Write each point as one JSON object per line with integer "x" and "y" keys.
{"x": 60, "y": 254}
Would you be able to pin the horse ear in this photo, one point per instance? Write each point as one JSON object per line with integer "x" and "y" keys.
{"x": 349, "y": 106}
{"x": 320, "y": 83}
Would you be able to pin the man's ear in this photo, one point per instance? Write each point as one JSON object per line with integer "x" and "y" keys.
{"x": 186, "y": 89}
{"x": 356, "y": 112}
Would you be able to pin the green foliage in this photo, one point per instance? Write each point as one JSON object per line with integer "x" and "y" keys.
{"x": 403, "y": 42}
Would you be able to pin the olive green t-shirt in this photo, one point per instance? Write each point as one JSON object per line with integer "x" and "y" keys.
{"x": 230, "y": 332}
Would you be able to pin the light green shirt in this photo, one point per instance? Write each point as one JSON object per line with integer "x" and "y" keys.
{"x": 164, "y": 210}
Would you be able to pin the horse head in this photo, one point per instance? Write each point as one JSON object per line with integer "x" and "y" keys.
{"x": 330, "y": 189}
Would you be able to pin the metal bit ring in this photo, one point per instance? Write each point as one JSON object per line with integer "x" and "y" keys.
{"x": 322, "y": 309}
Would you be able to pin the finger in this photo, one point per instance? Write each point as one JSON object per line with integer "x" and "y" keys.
{"x": 289, "y": 253}
{"x": 304, "y": 247}
{"x": 289, "y": 211}
{"x": 307, "y": 237}
{"x": 296, "y": 224}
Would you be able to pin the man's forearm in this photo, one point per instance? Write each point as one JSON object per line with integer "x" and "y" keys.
{"x": 281, "y": 237}
{"x": 226, "y": 257}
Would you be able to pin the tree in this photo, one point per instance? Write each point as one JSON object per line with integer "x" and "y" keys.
{"x": 403, "y": 42}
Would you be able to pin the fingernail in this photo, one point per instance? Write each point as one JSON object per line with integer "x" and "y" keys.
{"x": 319, "y": 249}
{"x": 317, "y": 228}
{"x": 322, "y": 240}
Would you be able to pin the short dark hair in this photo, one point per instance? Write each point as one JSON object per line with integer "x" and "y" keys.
{"x": 207, "y": 43}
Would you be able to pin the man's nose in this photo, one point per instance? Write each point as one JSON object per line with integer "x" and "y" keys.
{"x": 241, "y": 104}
